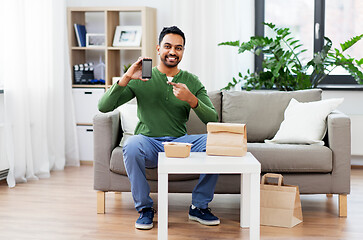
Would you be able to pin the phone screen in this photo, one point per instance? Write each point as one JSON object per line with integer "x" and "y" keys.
{"x": 146, "y": 68}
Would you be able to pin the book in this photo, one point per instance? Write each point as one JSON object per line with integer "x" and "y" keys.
{"x": 80, "y": 34}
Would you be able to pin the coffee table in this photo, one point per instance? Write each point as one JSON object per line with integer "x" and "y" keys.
{"x": 200, "y": 162}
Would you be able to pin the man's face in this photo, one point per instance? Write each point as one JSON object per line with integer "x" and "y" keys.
{"x": 171, "y": 50}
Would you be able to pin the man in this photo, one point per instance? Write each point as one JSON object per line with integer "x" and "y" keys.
{"x": 164, "y": 104}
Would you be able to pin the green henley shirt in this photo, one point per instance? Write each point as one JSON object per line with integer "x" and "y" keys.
{"x": 160, "y": 113}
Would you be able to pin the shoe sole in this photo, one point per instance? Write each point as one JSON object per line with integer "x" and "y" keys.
{"x": 204, "y": 222}
{"x": 144, "y": 226}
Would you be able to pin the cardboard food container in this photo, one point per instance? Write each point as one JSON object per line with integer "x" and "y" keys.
{"x": 226, "y": 139}
{"x": 177, "y": 149}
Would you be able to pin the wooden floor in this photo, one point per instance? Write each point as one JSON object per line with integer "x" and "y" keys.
{"x": 64, "y": 207}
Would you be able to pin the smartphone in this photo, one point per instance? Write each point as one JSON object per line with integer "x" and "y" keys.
{"x": 146, "y": 68}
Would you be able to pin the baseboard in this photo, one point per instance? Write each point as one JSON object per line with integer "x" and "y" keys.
{"x": 86, "y": 162}
{"x": 356, "y": 161}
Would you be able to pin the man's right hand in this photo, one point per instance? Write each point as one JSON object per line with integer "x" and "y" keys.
{"x": 134, "y": 72}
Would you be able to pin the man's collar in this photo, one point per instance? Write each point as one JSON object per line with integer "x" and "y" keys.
{"x": 169, "y": 76}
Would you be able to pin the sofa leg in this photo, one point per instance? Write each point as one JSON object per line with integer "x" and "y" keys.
{"x": 342, "y": 205}
{"x": 101, "y": 202}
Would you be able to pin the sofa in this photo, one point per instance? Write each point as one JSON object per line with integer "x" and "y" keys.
{"x": 316, "y": 169}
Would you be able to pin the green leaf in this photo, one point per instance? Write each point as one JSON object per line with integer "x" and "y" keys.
{"x": 297, "y": 46}
{"x": 359, "y": 62}
{"x": 270, "y": 25}
{"x": 280, "y": 31}
{"x": 233, "y": 44}
{"x": 286, "y": 33}
{"x": 258, "y": 51}
{"x": 293, "y": 42}
{"x": 347, "y": 44}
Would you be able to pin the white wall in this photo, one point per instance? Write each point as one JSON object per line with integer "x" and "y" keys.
{"x": 353, "y": 107}
{"x": 1, "y": 109}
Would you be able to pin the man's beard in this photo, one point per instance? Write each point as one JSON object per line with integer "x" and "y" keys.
{"x": 165, "y": 61}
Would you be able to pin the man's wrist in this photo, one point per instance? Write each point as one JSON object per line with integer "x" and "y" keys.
{"x": 194, "y": 102}
{"x": 124, "y": 80}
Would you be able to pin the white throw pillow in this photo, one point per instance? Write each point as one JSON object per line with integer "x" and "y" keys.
{"x": 129, "y": 120}
{"x": 305, "y": 123}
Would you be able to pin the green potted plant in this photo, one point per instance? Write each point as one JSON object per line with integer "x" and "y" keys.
{"x": 126, "y": 67}
{"x": 282, "y": 68}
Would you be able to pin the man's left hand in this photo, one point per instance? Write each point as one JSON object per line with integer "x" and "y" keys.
{"x": 182, "y": 92}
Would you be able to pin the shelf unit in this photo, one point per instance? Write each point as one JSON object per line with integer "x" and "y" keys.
{"x": 112, "y": 17}
{"x": 105, "y": 20}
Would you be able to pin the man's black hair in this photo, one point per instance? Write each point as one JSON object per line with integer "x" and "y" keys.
{"x": 173, "y": 30}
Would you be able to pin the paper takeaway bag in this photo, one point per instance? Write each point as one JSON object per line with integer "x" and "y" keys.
{"x": 226, "y": 139}
{"x": 280, "y": 204}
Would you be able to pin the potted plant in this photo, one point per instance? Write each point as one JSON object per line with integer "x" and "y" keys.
{"x": 282, "y": 68}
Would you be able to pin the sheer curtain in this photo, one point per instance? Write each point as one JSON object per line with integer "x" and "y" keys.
{"x": 40, "y": 130}
{"x": 207, "y": 23}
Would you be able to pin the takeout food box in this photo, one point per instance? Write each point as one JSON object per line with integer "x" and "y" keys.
{"x": 177, "y": 149}
{"x": 226, "y": 139}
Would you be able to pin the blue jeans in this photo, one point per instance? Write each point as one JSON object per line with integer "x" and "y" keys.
{"x": 141, "y": 152}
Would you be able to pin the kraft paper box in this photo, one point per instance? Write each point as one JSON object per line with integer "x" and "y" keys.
{"x": 280, "y": 204}
{"x": 226, "y": 139}
{"x": 177, "y": 149}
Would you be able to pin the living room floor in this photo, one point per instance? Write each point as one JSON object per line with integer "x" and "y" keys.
{"x": 64, "y": 207}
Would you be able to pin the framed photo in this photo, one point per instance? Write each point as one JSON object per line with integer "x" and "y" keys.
{"x": 95, "y": 39}
{"x": 127, "y": 36}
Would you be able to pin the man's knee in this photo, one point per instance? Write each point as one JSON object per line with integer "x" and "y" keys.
{"x": 133, "y": 144}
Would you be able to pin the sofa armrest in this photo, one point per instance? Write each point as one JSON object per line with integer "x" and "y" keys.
{"x": 106, "y": 136}
{"x": 339, "y": 139}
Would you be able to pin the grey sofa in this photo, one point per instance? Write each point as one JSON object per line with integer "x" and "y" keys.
{"x": 315, "y": 169}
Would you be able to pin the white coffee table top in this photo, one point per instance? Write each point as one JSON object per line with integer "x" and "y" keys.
{"x": 198, "y": 161}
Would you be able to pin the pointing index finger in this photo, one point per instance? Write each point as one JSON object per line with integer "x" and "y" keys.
{"x": 172, "y": 83}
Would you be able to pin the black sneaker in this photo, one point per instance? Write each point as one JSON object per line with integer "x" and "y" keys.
{"x": 145, "y": 221}
{"x": 203, "y": 216}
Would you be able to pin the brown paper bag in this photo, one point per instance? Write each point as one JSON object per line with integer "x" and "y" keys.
{"x": 226, "y": 139}
{"x": 280, "y": 204}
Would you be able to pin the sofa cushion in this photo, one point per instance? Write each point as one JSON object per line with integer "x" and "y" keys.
{"x": 262, "y": 111}
{"x": 194, "y": 125}
{"x": 292, "y": 158}
{"x": 129, "y": 119}
{"x": 305, "y": 123}
{"x": 117, "y": 166}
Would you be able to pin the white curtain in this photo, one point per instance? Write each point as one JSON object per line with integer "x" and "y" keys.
{"x": 40, "y": 129}
{"x": 207, "y": 23}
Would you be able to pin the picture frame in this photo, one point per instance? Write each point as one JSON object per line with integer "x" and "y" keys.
{"x": 127, "y": 36}
{"x": 95, "y": 39}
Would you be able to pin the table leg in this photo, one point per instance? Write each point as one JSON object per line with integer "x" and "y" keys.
{"x": 162, "y": 206}
{"x": 255, "y": 206}
{"x": 245, "y": 200}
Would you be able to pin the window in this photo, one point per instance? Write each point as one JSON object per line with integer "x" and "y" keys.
{"x": 343, "y": 20}
{"x": 311, "y": 20}
{"x": 298, "y": 16}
